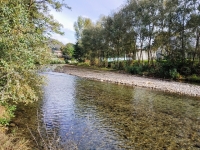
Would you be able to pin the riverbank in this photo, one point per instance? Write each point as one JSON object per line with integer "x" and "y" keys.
{"x": 131, "y": 80}
{"x": 12, "y": 142}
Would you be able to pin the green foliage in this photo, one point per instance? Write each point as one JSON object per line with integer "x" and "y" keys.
{"x": 7, "y": 114}
{"x": 121, "y": 65}
{"x": 81, "y": 24}
{"x": 78, "y": 52}
{"x": 4, "y": 121}
{"x": 193, "y": 78}
{"x": 169, "y": 27}
{"x": 185, "y": 70}
{"x": 174, "y": 74}
{"x": 23, "y": 49}
{"x": 24, "y": 33}
{"x": 113, "y": 65}
{"x": 92, "y": 59}
{"x": 84, "y": 64}
{"x": 197, "y": 69}
{"x": 103, "y": 64}
{"x": 163, "y": 68}
{"x": 68, "y": 50}
{"x": 135, "y": 69}
{"x": 118, "y": 65}
{"x": 57, "y": 61}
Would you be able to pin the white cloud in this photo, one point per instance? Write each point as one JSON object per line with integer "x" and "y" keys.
{"x": 62, "y": 38}
{"x": 86, "y": 8}
{"x": 66, "y": 21}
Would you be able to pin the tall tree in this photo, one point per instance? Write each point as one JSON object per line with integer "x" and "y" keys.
{"x": 170, "y": 27}
{"x": 23, "y": 45}
{"x": 80, "y": 25}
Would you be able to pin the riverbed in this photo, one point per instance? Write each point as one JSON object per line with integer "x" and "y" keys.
{"x": 78, "y": 113}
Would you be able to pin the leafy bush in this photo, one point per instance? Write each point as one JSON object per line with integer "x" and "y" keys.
{"x": 197, "y": 69}
{"x": 174, "y": 74}
{"x": 57, "y": 61}
{"x": 122, "y": 65}
{"x": 193, "y": 78}
{"x": 84, "y": 64}
{"x": 113, "y": 65}
{"x": 102, "y": 63}
{"x": 6, "y": 113}
{"x": 134, "y": 69}
{"x": 185, "y": 70}
{"x": 22, "y": 49}
{"x": 166, "y": 69}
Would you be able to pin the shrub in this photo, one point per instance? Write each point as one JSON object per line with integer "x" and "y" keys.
{"x": 113, "y": 65}
{"x": 122, "y": 65}
{"x": 84, "y": 64}
{"x": 166, "y": 69}
{"x": 197, "y": 69}
{"x": 174, "y": 74}
{"x": 6, "y": 113}
{"x": 135, "y": 69}
{"x": 22, "y": 51}
{"x": 185, "y": 71}
{"x": 4, "y": 116}
{"x": 57, "y": 61}
{"x": 103, "y": 63}
{"x": 193, "y": 78}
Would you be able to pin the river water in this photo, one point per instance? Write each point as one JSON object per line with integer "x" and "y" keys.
{"x": 91, "y": 115}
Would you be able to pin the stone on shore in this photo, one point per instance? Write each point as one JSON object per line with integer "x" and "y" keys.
{"x": 132, "y": 80}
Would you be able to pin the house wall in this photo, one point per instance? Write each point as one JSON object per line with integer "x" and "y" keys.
{"x": 144, "y": 55}
{"x": 58, "y": 53}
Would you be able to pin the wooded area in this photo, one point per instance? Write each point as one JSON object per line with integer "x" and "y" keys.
{"x": 170, "y": 28}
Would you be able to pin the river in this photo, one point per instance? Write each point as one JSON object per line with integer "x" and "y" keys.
{"x": 84, "y": 114}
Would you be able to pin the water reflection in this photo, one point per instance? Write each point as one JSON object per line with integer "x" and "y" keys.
{"x": 95, "y": 115}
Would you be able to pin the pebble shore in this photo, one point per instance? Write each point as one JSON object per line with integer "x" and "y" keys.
{"x": 131, "y": 80}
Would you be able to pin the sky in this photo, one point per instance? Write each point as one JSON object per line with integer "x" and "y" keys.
{"x": 92, "y": 9}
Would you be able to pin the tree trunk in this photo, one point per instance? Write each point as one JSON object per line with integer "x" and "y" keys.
{"x": 196, "y": 48}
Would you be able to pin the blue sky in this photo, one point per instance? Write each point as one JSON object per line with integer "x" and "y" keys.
{"x": 92, "y": 9}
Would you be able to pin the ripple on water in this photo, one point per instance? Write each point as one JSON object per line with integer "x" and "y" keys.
{"x": 96, "y": 115}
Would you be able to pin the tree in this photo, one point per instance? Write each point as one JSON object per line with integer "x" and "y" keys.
{"x": 23, "y": 47}
{"x": 79, "y": 52}
{"x": 68, "y": 50}
{"x": 194, "y": 28}
{"x": 80, "y": 25}
{"x": 168, "y": 27}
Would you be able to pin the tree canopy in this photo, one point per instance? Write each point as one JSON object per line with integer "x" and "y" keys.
{"x": 68, "y": 50}
{"x": 170, "y": 28}
{"x": 24, "y": 29}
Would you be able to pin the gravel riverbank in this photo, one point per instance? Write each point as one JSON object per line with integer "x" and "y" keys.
{"x": 131, "y": 80}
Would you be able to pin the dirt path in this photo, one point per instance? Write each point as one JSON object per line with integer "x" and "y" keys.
{"x": 131, "y": 80}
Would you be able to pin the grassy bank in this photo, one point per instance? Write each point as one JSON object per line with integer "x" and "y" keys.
{"x": 10, "y": 141}
{"x": 16, "y": 127}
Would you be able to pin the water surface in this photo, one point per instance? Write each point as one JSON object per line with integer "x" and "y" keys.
{"x": 93, "y": 115}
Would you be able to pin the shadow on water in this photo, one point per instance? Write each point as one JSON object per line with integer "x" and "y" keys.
{"x": 95, "y": 115}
